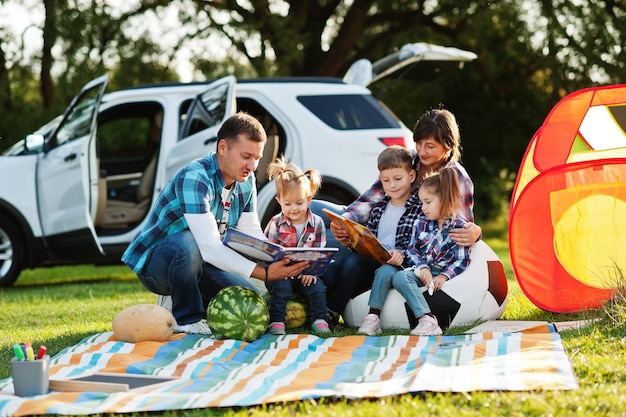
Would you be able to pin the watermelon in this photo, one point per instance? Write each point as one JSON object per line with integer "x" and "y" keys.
{"x": 237, "y": 313}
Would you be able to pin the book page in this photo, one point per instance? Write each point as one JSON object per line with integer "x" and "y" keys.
{"x": 265, "y": 251}
{"x": 252, "y": 247}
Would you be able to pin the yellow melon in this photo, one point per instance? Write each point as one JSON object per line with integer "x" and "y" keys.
{"x": 143, "y": 322}
{"x": 297, "y": 313}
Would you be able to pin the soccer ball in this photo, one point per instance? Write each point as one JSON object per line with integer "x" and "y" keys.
{"x": 480, "y": 293}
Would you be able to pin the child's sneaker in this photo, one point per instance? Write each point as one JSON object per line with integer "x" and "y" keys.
{"x": 427, "y": 326}
{"x": 371, "y": 325}
{"x": 276, "y": 328}
{"x": 320, "y": 326}
{"x": 199, "y": 327}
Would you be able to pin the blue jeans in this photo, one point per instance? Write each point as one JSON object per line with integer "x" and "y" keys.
{"x": 408, "y": 285}
{"x": 281, "y": 291}
{"x": 175, "y": 267}
{"x": 381, "y": 286}
{"x": 346, "y": 278}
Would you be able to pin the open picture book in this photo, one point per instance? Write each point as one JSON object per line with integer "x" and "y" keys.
{"x": 364, "y": 241}
{"x": 260, "y": 250}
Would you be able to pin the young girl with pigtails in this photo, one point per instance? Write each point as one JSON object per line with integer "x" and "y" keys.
{"x": 296, "y": 226}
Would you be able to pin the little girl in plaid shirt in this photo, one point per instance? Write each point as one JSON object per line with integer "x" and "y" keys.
{"x": 296, "y": 226}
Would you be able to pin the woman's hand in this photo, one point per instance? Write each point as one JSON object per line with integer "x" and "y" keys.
{"x": 466, "y": 236}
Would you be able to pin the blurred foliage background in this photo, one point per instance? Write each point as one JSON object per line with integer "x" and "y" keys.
{"x": 531, "y": 53}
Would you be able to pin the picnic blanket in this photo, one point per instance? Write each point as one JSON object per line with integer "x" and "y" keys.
{"x": 222, "y": 373}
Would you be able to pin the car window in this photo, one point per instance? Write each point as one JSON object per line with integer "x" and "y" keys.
{"x": 349, "y": 111}
{"x": 182, "y": 113}
{"x": 208, "y": 109}
{"x": 128, "y": 136}
{"x": 78, "y": 122}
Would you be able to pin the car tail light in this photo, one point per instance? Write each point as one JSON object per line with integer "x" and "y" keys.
{"x": 393, "y": 141}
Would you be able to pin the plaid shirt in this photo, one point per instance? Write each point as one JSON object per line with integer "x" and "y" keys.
{"x": 360, "y": 209}
{"x": 413, "y": 208}
{"x": 280, "y": 230}
{"x": 194, "y": 189}
{"x": 432, "y": 247}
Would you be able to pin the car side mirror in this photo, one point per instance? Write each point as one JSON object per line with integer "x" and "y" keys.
{"x": 33, "y": 142}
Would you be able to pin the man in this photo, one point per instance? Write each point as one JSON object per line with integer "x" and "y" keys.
{"x": 179, "y": 251}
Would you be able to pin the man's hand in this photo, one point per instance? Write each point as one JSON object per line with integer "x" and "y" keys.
{"x": 340, "y": 234}
{"x": 285, "y": 268}
{"x": 466, "y": 236}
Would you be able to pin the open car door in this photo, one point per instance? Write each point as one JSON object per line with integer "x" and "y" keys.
{"x": 363, "y": 72}
{"x": 67, "y": 178}
{"x": 198, "y": 135}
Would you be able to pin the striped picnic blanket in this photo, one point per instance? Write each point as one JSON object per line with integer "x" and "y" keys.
{"x": 221, "y": 373}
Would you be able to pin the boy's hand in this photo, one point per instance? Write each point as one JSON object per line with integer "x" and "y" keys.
{"x": 396, "y": 257}
{"x": 340, "y": 234}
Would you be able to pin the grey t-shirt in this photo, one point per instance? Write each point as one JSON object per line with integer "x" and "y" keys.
{"x": 389, "y": 224}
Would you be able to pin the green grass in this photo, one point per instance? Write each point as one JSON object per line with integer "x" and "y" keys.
{"x": 58, "y": 307}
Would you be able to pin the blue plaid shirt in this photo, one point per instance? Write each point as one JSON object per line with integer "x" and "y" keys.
{"x": 413, "y": 208}
{"x": 431, "y": 247}
{"x": 194, "y": 189}
{"x": 359, "y": 211}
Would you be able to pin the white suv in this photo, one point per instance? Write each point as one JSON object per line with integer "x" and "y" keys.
{"x": 78, "y": 189}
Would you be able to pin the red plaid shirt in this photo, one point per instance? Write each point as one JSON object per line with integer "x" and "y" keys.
{"x": 280, "y": 230}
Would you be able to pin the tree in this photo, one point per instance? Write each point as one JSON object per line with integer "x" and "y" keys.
{"x": 80, "y": 41}
{"x": 531, "y": 53}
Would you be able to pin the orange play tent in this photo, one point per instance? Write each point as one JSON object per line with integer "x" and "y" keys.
{"x": 567, "y": 223}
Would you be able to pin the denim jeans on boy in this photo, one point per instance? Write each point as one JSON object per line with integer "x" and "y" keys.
{"x": 175, "y": 267}
{"x": 407, "y": 284}
{"x": 381, "y": 286}
{"x": 282, "y": 289}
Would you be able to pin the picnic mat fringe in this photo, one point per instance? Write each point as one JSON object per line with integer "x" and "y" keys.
{"x": 224, "y": 373}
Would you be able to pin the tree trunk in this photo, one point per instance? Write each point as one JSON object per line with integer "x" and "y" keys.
{"x": 5, "y": 88}
{"x": 49, "y": 38}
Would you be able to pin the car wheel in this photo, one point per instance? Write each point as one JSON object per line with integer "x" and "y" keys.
{"x": 343, "y": 198}
{"x": 271, "y": 211}
{"x": 11, "y": 253}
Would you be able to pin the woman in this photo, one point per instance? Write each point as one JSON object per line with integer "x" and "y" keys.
{"x": 437, "y": 145}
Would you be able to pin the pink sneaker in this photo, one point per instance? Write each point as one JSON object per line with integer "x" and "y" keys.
{"x": 320, "y": 326}
{"x": 276, "y": 328}
{"x": 427, "y": 326}
{"x": 371, "y": 325}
